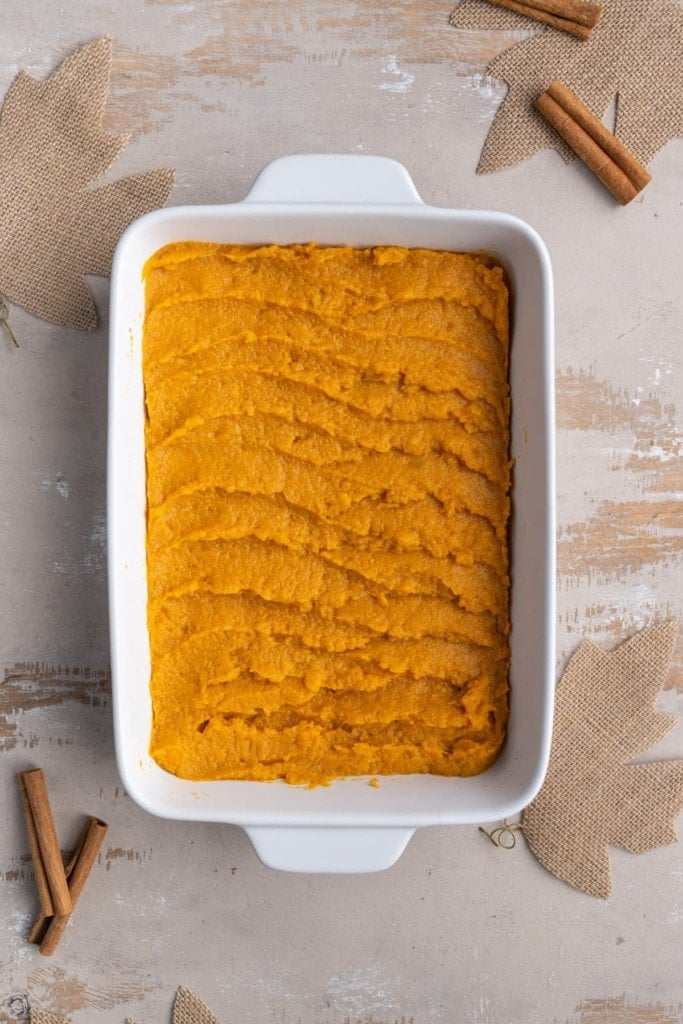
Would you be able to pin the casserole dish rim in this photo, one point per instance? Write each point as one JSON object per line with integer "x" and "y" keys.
{"x": 393, "y": 199}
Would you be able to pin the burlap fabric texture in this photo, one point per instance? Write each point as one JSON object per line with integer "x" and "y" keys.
{"x": 54, "y": 226}
{"x": 634, "y": 53}
{"x": 187, "y": 1009}
{"x": 594, "y": 795}
{"x": 41, "y": 1017}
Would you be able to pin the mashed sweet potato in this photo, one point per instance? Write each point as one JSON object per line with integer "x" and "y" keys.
{"x": 327, "y": 483}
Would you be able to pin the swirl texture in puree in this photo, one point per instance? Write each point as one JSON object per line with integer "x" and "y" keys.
{"x": 328, "y": 496}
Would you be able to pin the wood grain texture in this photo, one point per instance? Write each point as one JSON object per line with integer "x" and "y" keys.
{"x": 456, "y": 930}
{"x": 606, "y": 1011}
{"x": 28, "y": 686}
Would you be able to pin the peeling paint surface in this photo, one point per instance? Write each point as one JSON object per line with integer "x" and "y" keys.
{"x": 397, "y": 79}
{"x": 457, "y": 931}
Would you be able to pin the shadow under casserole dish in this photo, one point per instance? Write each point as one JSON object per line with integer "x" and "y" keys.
{"x": 328, "y": 496}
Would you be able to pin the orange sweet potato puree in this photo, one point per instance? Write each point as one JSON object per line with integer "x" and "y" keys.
{"x": 327, "y": 482}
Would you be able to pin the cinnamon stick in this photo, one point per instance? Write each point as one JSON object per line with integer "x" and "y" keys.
{"x": 572, "y": 16}
{"x": 94, "y": 833}
{"x": 50, "y": 855}
{"x": 40, "y": 925}
{"x": 44, "y": 897}
{"x": 611, "y": 162}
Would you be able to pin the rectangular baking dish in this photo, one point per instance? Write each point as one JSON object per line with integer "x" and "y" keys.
{"x": 348, "y": 826}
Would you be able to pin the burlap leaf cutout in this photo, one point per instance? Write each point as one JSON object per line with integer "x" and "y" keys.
{"x": 55, "y": 227}
{"x": 187, "y": 1009}
{"x": 594, "y": 795}
{"x": 634, "y": 53}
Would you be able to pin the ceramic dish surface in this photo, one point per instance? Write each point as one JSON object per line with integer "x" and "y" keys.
{"x": 348, "y": 826}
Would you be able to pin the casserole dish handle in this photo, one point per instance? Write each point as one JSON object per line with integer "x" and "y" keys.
{"x": 335, "y": 850}
{"x": 334, "y": 178}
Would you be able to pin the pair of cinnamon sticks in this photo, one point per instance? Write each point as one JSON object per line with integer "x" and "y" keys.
{"x": 609, "y": 160}
{"x": 59, "y": 886}
{"x": 577, "y": 17}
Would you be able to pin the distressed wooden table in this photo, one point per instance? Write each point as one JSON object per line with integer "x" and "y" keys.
{"x": 457, "y": 931}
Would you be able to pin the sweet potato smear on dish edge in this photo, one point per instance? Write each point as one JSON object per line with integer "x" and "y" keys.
{"x": 328, "y": 496}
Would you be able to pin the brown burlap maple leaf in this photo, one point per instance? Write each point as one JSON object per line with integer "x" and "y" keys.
{"x": 634, "y": 53}
{"x": 54, "y": 226}
{"x": 189, "y": 1009}
{"x": 594, "y": 795}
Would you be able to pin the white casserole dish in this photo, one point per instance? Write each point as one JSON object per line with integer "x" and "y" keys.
{"x": 348, "y": 826}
